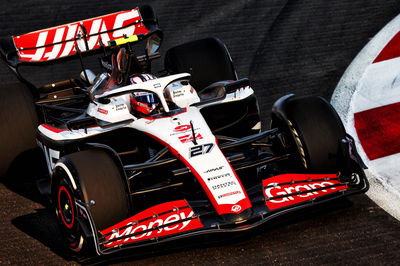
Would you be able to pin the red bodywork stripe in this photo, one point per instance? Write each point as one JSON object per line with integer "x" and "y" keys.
{"x": 53, "y": 129}
{"x": 379, "y": 130}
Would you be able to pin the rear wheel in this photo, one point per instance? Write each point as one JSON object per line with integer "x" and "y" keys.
{"x": 18, "y": 121}
{"x": 208, "y": 61}
{"x": 312, "y": 131}
{"x": 88, "y": 180}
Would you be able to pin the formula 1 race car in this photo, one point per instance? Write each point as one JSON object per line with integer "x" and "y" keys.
{"x": 138, "y": 157}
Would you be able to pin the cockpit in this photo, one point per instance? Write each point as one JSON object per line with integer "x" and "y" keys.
{"x": 143, "y": 93}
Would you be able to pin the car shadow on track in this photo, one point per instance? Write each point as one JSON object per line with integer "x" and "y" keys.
{"x": 42, "y": 226}
{"x": 23, "y": 173}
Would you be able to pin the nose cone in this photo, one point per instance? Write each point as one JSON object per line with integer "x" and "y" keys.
{"x": 237, "y": 218}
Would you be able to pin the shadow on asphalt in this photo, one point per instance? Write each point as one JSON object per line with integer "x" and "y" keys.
{"x": 23, "y": 173}
{"x": 42, "y": 226}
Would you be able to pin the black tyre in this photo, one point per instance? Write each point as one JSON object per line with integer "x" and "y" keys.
{"x": 206, "y": 60}
{"x": 18, "y": 122}
{"x": 313, "y": 132}
{"x": 90, "y": 178}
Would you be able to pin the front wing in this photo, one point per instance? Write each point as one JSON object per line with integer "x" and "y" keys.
{"x": 179, "y": 219}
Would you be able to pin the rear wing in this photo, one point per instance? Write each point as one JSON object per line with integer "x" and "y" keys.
{"x": 72, "y": 38}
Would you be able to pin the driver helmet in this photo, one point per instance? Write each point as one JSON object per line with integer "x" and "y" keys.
{"x": 142, "y": 101}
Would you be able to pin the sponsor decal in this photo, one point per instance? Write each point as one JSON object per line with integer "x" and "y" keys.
{"x": 189, "y": 138}
{"x": 57, "y": 42}
{"x": 229, "y": 194}
{"x": 161, "y": 220}
{"x": 241, "y": 205}
{"x": 236, "y": 208}
{"x": 120, "y": 107}
{"x": 102, "y": 111}
{"x": 182, "y": 128}
{"x": 218, "y": 177}
{"x": 286, "y": 186}
{"x": 178, "y": 93}
{"x": 223, "y": 185}
{"x": 200, "y": 149}
{"x": 219, "y": 168}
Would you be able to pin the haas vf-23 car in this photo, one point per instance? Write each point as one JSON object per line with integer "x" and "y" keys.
{"x": 137, "y": 157}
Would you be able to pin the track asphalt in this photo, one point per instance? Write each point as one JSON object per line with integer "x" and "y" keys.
{"x": 300, "y": 47}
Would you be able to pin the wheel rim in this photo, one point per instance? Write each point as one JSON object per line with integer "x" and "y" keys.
{"x": 66, "y": 207}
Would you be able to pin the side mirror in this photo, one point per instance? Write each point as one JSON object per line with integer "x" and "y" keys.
{"x": 218, "y": 90}
{"x": 214, "y": 91}
{"x": 221, "y": 88}
{"x": 237, "y": 84}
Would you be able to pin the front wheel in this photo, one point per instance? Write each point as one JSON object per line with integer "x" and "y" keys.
{"x": 89, "y": 195}
{"x": 312, "y": 131}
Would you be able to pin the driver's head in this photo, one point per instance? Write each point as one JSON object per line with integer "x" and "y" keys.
{"x": 143, "y": 102}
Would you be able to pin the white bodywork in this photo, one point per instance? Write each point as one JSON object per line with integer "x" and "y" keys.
{"x": 196, "y": 147}
{"x": 204, "y": 157}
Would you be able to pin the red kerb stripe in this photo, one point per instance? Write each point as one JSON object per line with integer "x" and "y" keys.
{"x": 379, "y": 130}
{"x": 391, "y": 50}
